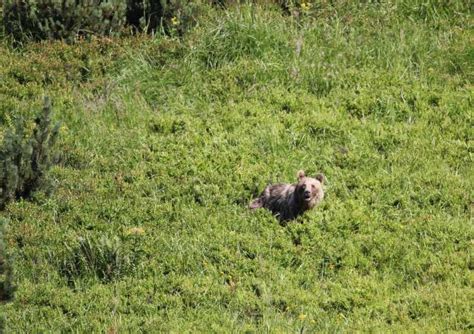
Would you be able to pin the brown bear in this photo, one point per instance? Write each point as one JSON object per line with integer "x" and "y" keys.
{"x": 288, "y": 201}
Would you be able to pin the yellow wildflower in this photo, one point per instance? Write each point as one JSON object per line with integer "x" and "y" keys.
{"x": 174, "y": 21}
{"x": 302, "y": 316}
{"x": 305, "y": 6}
{"x": 63, "y": 129}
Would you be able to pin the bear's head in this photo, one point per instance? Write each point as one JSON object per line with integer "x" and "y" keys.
{"x": 309, "y": 190}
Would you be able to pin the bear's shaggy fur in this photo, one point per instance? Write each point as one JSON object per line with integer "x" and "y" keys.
{"x": 288, "y": 201}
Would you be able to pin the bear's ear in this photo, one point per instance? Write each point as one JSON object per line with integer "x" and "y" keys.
{"x": 320, "y": 177}
{"x": 300, "y": 174}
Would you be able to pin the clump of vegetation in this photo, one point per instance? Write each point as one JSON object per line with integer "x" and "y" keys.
{"x": 105, "y": 258}
{"x": 55, "y": 19}
{"x": 26, "y": 155}
{"x": 67, "y": 20}
{"x": 170, "y": 15}
{"x": 7, "y": 288}
{"x": 243, "y": 35}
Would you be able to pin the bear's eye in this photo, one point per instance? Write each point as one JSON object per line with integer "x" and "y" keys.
{"x": 313, "y": 186}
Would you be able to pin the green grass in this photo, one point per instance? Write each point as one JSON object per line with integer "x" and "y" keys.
{"x": 175, "y": 136}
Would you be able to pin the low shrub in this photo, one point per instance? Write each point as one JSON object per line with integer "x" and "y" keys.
{"x": 68, "y": 19}
{"x": 7, "y": 288}
{"x": 26, "y": 155}
{"x": 169, "y": 15}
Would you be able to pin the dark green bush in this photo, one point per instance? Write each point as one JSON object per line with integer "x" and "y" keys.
{"x": 26, "y": 156}
{"x": 168, "y": 15}
{"x": 7, "y": 289}
{"x": 145, "y": 14}
{"x": 62, "y": 19}
{"x": 68, "y": 19}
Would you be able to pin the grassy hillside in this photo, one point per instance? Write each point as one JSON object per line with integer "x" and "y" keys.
{"x": 165, "y": 140}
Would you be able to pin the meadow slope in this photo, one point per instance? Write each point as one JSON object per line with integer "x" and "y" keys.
{"x": 165, "y": 140}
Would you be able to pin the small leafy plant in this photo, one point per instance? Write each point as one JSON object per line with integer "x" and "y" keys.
{"x": 26, "y": 155}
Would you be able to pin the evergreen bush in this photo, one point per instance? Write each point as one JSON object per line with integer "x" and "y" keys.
{"x": 26, "y": 155}
{"x": 7, "y": 289}
{"x": 169, "y": 15}
{"x": 62, "y": 19}
{"x": 68, "y": 19}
